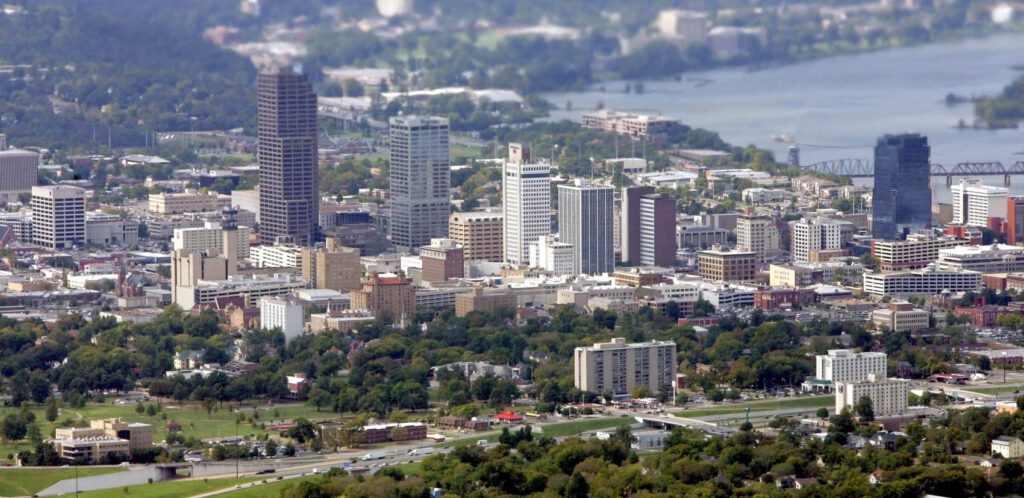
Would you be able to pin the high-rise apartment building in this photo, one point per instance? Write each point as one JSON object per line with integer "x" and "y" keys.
{"x": 843, "y": 365}
{"x": 442, "y": 261}
{"x": 619, "y": 367}
{"x": 758, "y": 234}
{"x": 19, "y": 170}
{"x": 58, "y": 216}
{"x": 585, "y": 221}
{"x": 888, "y": 396}
{"x": 287, "y": 156}
{"x": 658, "y": 230}
{"x": 902, "y": 195}
{"x": 975, "y": 203}
{"x": 420, "y": 180}
{"x": 629, "y": 222}
{"x": 526, "y": 203}
{"x": 809, "y": 236}
{"x": 332, "y": 267}
{"x": 480, "y": 233}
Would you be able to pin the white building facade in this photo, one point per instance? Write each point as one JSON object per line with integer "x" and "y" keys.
{"x": 526, "y": 206}
{"x": 974, "y": 202}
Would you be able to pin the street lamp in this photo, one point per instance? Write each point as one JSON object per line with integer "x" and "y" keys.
{"x": 1004, "y": 366}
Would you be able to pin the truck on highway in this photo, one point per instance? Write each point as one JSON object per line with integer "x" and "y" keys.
{"x": 421, "y": 451}
{"x": 374, "y": 455}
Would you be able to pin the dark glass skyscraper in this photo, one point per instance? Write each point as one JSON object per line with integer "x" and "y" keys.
{"x": 902, "y": 196}
{"x": 287, "y": 155}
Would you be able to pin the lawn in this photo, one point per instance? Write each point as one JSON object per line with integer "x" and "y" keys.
{"x": 193, "y": 419}
{"x": 760, "y": 406}
{"x": 459, "y": 150}
{"x": 584, "y": 425}
{"x": 987, "y": 389}
{"x": 271, "y": 489}
{"x": 409, "y": 468}
{"x": 23, "y": 482}
{"x": 170, "y": 489}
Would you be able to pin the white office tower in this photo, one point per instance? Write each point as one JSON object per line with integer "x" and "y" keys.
{"x": 974, "y": 203}
{"x": 58, "y": 216}
{"x": 526, "y": 203}
{"x": 420, "y": 180}
{"x": 585, "y": 220}
{"x": 808, "y": 236}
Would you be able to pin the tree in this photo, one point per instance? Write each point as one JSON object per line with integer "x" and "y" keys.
{"x": 842, "y": 421}
{"x": 320, "y": 398}
{"x": 640, "y": 392}
{"x": 208, "y": 405}
{"x": 865, "y": 408}
{"x": 39, "y": 387}
{"x": 13, "y": 427}
{"x": 51, "y": 410}
{"x": 289, "y": 450}
{"x": 822, "y": 413}
{"x": 577, "y": 487}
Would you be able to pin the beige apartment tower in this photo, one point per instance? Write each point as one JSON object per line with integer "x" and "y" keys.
{"x": 619, "y": 367}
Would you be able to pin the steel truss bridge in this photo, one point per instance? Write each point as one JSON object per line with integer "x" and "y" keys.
{"x": 864, "y": 168}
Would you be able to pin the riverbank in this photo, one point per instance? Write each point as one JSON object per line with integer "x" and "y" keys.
{"x": 836, "y": 107}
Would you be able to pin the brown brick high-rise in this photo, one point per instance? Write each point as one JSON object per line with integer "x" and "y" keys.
{"x": 287, "y": 156}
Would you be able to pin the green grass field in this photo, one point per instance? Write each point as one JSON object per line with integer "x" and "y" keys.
{"x": 193, "y": 419}
{"x": 24, "y": 482}
{"x": 987, "y": 389}
{"x": 170, "y": 489}
{"x": 266, "y": 490}
{"x": 577, "y": 426}
{"x": 760, "y": 406}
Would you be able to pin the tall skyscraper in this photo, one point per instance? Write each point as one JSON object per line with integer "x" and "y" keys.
{"x": 629, "y": 231}
{"x": 526, "y": 203}
{"x": 585, "y": 221}
{"x": 658, "y": 230}
{"x": 287, "y": 155}
{"x": 902, "y": 195}
{"x": 420, "y": 180}
{"x": 58, "y": 216}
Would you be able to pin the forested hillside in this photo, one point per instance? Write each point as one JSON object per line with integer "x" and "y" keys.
{"x": 70, "y": 73}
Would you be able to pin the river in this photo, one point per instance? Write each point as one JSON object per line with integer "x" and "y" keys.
{"x": 836, "y": 107}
